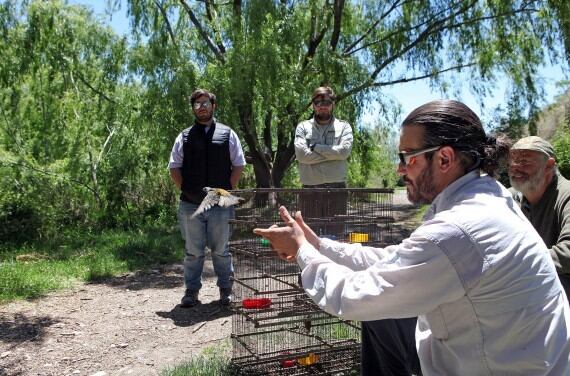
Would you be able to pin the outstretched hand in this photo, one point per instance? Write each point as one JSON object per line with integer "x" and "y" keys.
{"x": 286, "y": 240}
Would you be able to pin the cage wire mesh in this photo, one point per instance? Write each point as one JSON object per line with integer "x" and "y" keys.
{"x": 276, "y": 328}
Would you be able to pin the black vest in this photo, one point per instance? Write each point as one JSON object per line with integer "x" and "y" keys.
{"x": 206, "y": 161}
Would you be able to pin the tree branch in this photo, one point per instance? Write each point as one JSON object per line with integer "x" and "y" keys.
{"x": 26, "y": 165}
{"x": 403, "y": 30}
{"x": 212, "y": 15}
{"x": 267, "y": 136}
{"x": 431, "y": 29}
{"x": 347, "y": 52}
{"x": 449, "y": 27}
{"x": 369, "y": 84}
{"x": 315, "y": 38}
{"x": 98, "y": 92}
{"x": 428, "y": 75}
{"x": 168, "y": 26}
{"x": 337, "y": 10}
{"x": 202, "y": 32}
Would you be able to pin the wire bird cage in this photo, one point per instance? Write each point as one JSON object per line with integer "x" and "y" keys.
{"x": 276, "y": 328}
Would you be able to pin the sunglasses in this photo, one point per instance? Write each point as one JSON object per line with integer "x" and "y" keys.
{"x": 322, "y": 103}
{"x": 408, "y": 158}
{"x": 199, "y": 105}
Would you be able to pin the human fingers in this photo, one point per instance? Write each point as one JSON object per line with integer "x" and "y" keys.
{"x": 262, "y": 231}
{"x": 285, "y": 216}
{"x": 286, "y": 257}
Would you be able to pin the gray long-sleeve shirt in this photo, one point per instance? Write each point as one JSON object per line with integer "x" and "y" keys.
{"x": 327, "y": 162}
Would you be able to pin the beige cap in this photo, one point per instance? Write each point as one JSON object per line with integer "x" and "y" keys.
{"x": 535, "y": 143}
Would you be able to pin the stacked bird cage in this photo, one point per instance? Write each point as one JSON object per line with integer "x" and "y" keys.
{"x": 276, "y": 328}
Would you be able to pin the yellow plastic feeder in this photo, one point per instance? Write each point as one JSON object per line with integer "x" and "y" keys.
{"x": 357, "y": 237}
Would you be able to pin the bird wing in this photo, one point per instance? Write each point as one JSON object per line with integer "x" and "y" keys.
{"x": 212, "y": 198}
{"x": 229, "y": 200}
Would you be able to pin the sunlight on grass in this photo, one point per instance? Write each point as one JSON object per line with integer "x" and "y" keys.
{"x": 32, "y": 270}
{"x": 214, "y": 361}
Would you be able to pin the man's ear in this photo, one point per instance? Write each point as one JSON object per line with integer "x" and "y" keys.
{"x": 447, "y": 158}
{"x": 550, "y": 163}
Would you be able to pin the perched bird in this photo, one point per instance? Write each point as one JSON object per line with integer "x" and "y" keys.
{"x": 216, "y": 196}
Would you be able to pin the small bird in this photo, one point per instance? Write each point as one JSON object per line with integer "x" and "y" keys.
{"x": 216, "y": 196}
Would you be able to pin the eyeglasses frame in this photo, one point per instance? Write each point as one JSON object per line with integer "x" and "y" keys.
{"x": 199, "y": 105}
{"x": 320, "y": 103}
{"x": 406, "y": 156}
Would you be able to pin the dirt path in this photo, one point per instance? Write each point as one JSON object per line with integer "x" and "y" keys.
{"x": 129, "y": 325}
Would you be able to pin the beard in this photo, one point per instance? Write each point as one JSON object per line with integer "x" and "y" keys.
{"x": 529, "y": 184}
{"x": 204, "y": 117}
{"x": 423, "y": 190}
{"x": 322, "y": 118}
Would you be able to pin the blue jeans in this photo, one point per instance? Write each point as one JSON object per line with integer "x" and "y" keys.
{"x": 212, "y": 229}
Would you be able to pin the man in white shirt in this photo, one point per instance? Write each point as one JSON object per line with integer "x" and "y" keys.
{"x": 476, "y": 273}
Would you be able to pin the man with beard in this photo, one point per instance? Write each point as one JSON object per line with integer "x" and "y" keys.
{"x": 322, "y": 146}
{"x": 475, "y": 272}
{"x": 544, "y": 197}
{"x": 207, "y": 154}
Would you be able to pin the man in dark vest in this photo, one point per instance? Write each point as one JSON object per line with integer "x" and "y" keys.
{"x": 208, "y": 154}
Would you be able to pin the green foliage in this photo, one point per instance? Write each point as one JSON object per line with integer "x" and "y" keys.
{"x": 512, "y": 121}
{"x": 77, "y": 146}
{"x": 562, "y": 149}
{"x": 87, "y": 118}
{"x": 372, "y": 162}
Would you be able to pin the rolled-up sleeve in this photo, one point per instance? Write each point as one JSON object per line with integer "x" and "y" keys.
{"x": 365, "y": 283}
{"x": 236, "y": 151}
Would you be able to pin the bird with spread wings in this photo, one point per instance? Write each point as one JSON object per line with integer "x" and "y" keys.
{"x": 216, "y": 196}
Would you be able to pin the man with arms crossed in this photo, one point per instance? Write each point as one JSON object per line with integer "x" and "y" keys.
{"x": 322, "y": 147}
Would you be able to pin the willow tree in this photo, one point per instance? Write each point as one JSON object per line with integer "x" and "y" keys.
{"x": 62, "y": 105}
{"x": 264, "y": 57}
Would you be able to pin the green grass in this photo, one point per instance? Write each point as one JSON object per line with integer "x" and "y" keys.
{"x": 31, "y": 270}
{"x": 214, "y": 361}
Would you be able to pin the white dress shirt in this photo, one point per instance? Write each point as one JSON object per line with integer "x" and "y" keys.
{"x": 477, "y": 275}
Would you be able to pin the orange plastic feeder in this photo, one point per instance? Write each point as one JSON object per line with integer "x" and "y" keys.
{"x": 308, "y": 360}
{"x": 256, "y": 303}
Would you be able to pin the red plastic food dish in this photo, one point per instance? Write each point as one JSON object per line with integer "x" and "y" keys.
{"x": 286, "y": 363}
{"x": 256, "y": 303}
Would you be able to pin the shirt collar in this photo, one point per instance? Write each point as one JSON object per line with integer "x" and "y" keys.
{"x": 448, "y": 194}
{"x": 206, "y": 127}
